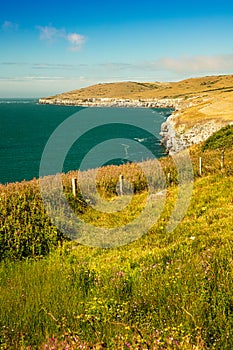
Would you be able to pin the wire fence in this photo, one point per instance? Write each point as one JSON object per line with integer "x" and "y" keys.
{"x": 110, "y": 178}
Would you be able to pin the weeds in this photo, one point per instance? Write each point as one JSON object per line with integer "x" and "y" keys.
{"x": 167, "y": 290}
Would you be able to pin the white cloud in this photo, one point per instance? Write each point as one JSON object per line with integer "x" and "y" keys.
{"x": 43, "y": 78}
{"x": 76, "y": 40}
{"x": 9, "y": 26}
{"x": 26, "y": 79}
{"x": 217, "y": 63}
{"x": 51, "y": 34}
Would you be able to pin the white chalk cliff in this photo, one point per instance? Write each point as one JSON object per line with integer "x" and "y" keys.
{"x": 175, "y": 139}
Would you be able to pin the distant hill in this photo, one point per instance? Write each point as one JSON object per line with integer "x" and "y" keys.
{"x": 135, "y": 90}
{"x": 203, "y": 99}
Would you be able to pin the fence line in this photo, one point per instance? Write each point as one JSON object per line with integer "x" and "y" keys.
{"x": 74, "y": 186}
{"x": 200, "y": 171}
{"x": 200, "y": 166}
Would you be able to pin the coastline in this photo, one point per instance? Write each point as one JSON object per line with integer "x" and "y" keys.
{"x": 175, "y": 138}
{"x": 124, "y": 103}
{"x": 201, "y": 105}
{"x": 116, "y": 102}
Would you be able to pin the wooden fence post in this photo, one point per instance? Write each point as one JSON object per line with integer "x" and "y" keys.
{"x": 222, "y": 159}
{"x": 200, "y": 166}
{"x": 74, "y": 187}
{"x": 169, "y": 178}
{"x": 121, "y": 179}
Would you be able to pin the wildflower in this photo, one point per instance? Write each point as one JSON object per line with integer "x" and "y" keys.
{"x": 127, "y": 328}
{"x": 192, "y": 238}
{"x": 120, "y": 273}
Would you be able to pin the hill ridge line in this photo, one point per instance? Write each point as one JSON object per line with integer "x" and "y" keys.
{"x": 201, "y": 106}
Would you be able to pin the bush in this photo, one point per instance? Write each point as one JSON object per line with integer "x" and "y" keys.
{"x": 222, "y": 139}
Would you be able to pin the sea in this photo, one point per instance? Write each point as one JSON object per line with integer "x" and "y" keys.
{"x": 91, "y": 137}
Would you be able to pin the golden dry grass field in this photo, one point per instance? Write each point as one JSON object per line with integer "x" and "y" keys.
{"x": 203, "y": 99}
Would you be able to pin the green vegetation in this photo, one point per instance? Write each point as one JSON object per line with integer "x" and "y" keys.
{"x": 25, "y": 229}
{"x": 167, "y": 290}
{"x": 220, "y": 140}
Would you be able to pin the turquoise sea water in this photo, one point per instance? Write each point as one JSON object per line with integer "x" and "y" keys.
{"x": 26, "y": 126}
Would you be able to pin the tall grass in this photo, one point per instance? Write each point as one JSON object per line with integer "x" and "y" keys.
{"x": 167, "y": 290}
{"x": 25, "y": 229}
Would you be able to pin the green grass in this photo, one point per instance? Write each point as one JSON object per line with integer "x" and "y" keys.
{"x": 25, "y": 229}
{"x": 166, "y": 290}
{"x": 220, "y": 140}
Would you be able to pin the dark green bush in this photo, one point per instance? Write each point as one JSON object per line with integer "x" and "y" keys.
{"x": 222, "y": 139}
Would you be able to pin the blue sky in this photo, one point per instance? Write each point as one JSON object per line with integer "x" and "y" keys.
{"x": 56, "y": 46}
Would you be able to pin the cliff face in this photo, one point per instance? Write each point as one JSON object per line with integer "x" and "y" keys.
{"x": 202, "y": 105}
{"x": 175, "y": 139}
{"x": 115, "y": 102}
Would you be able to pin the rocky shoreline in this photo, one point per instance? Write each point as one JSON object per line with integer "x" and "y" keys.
{"x": 115, "y": 102}
{"x": 174, "y": 139}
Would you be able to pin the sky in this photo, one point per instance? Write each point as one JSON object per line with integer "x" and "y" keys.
{"x": 49, "y": 47}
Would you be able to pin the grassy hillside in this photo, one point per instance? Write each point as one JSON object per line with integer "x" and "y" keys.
{"x": 223, "y": 139}
{"x": 214, "y": 105}
{"x": 203, "y": 99}
{"x": 185, "y": 88}
{"x": 166, "y": 290}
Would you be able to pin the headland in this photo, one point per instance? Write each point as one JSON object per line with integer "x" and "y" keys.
{"x": 201, "y": 105}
